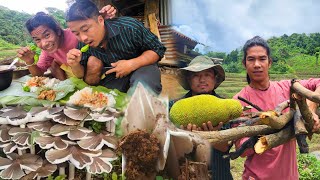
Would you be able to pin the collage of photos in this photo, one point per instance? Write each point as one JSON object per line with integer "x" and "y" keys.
{"x": 159, "y": 90}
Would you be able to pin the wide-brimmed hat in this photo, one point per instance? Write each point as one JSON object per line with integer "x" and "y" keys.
{"x": 198, "y": 64}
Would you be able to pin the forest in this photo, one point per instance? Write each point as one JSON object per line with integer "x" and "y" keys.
{"x": 291, "y": 54}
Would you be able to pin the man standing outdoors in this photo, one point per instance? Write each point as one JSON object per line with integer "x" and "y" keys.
{"x": 202, "y": 76}
{"x": 279, "y": 162}
{"x": 121, "y": 48}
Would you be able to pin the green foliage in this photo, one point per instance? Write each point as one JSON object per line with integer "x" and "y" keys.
{"x": 309, "y": 167}
{"x": 13, "y": 25}
{"x": 290, "y": 54}
{"x": 60, "y": 177}
{"x": 233, "y": 67}
{"x": 280, "y": 67}
{"x": 220, "y": 55}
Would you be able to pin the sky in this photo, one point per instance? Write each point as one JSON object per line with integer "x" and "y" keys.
{"x": 33, "y": 6}
{"x": 224, "y": 25}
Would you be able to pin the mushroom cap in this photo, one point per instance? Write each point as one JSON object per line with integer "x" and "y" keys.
{"x": 78, "y": 114}
{"x": 19, "y": 164}
{"x": 95, "y": 142}
{"x": 102, "y": 163}
{"x": 77, "y": 156}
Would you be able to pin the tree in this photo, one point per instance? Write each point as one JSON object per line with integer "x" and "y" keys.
{"x": 317, "y": 53}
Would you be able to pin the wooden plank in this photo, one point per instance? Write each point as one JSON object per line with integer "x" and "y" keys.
{"x": 153, "y": 22}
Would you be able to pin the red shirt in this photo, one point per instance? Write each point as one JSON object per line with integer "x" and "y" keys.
{"x": 60, "y": 56}
{"x": 279, "y": 162}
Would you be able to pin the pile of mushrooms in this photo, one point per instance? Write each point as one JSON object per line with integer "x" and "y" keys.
{"x": 57, "y": 136}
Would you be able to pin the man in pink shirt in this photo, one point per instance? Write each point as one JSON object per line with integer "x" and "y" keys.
{"x": 279, "y": 162}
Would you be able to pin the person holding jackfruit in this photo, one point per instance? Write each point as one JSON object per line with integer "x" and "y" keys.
{"x": 202, "y": 77}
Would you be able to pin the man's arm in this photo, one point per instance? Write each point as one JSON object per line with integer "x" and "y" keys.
{"x": 313, "y": 108}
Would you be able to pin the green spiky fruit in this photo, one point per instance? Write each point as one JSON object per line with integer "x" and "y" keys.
{"x": 203, "y": 108}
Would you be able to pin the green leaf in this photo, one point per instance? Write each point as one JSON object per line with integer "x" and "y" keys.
{"x": 34, "y": 135}
{"x": 114, "y": 176}
{"x": 31, "y": 101}
{"x": 159, "y": 178}
{"x": 26, "y": 88}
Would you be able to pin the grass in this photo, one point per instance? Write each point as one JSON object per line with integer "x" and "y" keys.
{"x": 8, "y": 53}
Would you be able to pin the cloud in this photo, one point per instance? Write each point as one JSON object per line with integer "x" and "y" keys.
{"x": 226, "y": 25}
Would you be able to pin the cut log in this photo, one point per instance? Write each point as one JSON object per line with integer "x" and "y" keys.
{"x": 274, "y": 121}
{"x": 298, "y": 122}
{"x": 282, "y": 106}
{"x": 273, "y": 140}
{"x": 305, "y": 112}
{"x": 216, "y": 137}
{"x": 301, "y": 90}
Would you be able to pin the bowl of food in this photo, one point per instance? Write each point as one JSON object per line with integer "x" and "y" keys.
{"x": 5, "y": 76}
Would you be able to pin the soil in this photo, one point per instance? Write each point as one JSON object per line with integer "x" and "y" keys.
{"x": 194, "y": 170}
{"x": 141, "y": 151}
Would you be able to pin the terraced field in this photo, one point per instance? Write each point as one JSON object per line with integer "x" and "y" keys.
{"x": 235, "y": 82}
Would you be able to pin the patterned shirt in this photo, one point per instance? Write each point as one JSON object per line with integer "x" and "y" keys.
{"x": 126, "y": 38}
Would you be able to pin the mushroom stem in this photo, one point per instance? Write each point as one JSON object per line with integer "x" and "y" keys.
{"x": 62, "y": 171}
{"x": 88, "y": 176}
{"x": 32, "y": 149}
{"x": 20, "y": 152}
{"x": 71, "y": 171}
{"x": 38, "y": 178}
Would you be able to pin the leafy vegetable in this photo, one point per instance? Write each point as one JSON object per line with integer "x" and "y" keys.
{"x": 120, "y": 97}
{"x": 26, "y": 88}
{"x": 33, "y": 47}
{"x": 85, "y": 48}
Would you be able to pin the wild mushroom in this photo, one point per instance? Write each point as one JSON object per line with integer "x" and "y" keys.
{"x": 4, "y": 135}
{"x": 73, "y": 132}
{"x": 77, "y": 156}
{"x": 47, "y": 142}
{"x": 15, "y": 166}
{"x": 102, "y": 163}
{"x": 14, "y": 112}
{"x": 44, "y": 171}
{"x": 96, "y": 141}
{"x": 21, "y": 136}
{"x": 78, "y": 114}
{"x": 43, "y": 126}
{"x": 61, "y": 118}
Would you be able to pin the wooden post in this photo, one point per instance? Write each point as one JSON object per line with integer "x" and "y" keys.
{"x": 151, "y": 6}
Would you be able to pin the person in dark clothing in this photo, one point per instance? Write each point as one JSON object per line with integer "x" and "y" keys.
{"x": 202, "y": 76}
{"x": 122, "y": 49}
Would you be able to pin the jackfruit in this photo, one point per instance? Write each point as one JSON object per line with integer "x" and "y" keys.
{"x": 203, "y": 108}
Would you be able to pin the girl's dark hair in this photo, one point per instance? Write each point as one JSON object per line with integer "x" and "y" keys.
{"x": 82, "y": 10}
{"x": 255, "y": 41}
{"x": 43, "y": 19}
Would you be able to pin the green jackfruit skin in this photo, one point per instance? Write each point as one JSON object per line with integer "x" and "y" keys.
{"x": 203, "y": 108}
